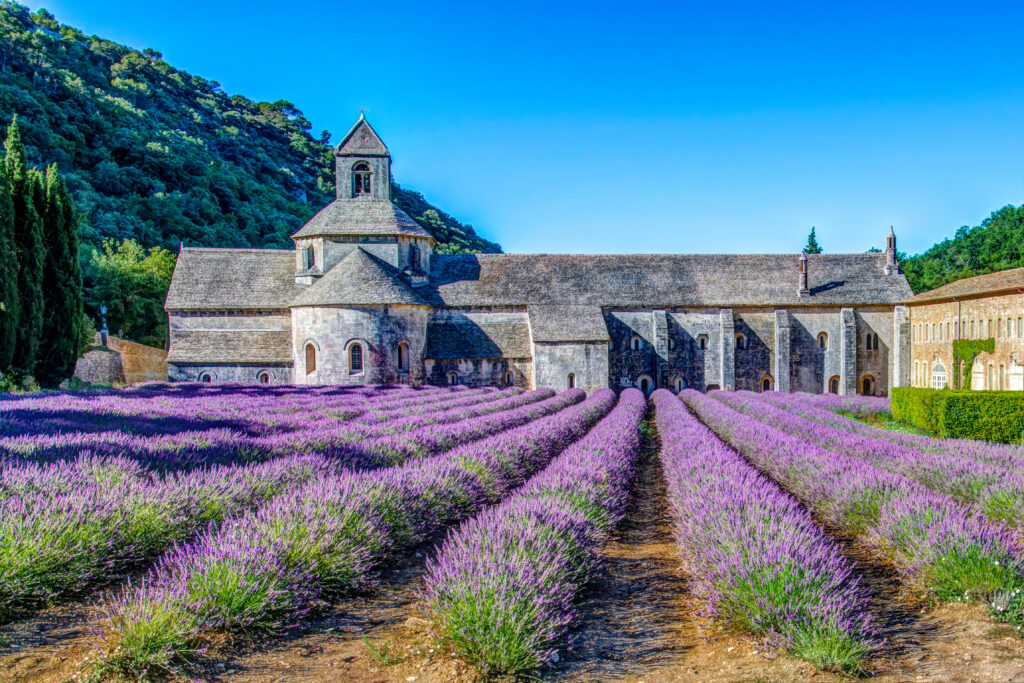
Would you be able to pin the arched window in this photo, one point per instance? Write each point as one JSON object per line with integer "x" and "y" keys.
{"x": 702, "y": 342}
{"x": 680, "y": 384}
{"x": 414, "y": 258}
{"x": 570, "y": 380}
{"x": 741, "y": 340}
{"x": 822, "y": 341}
{"x": 867, "y": 385}
{"x": 355, "y": 359}
{"x": 833, "y": 384}
{"x": 991, "y": 377}
{"x": 361, "y": 179}
{"x": 1002, "y": 377}
{"x": 509, "y": 379}
{"x": 310, "y": 256}
{"x": 636, "y": 343}
{"x": 645, "y": 384}
{"x": 263, "y": 377}
{"x": 403, "y": 357}
{"x": 766, "y": 383}
{"x": 867, "y": 340}
{"x": 310, "y": 359}
{"x": 938, "y": 375}
{"x": 205, "y": 377}
{"x": 453, "y": 379}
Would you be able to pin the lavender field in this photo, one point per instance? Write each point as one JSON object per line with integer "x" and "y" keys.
{"x": 190, "y": 519}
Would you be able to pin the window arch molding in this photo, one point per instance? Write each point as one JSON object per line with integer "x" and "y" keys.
{"x": 767, "y": 383}
{"x": 822, "y": 341}
{"x": 741, "y": 341}
{"x": 357, "y": 350}
{"x": 304, "y": 356}
{"x": 636, "y": 342}
{"x": 263, "y": 377}
{"x": 403, "y": 350}
{"x": 938, "y": 375}
{"x": 362, "y": 179}
{"x": 645, "y": 383}
{"x": 205, "y": 377}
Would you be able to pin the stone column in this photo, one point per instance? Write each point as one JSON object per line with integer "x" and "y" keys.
{"x": 782, "y": 362}
{"x": 661, "y": 347}
{"x": 848, "y": 352}
{"x": 900, "y": 366}
{"x": 727, "y": 358}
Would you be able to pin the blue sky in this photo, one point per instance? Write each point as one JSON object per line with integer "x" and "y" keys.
{"x": 641, "y": 127}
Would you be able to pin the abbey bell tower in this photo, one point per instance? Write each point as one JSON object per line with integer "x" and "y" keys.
{"x": 362, "y": 164}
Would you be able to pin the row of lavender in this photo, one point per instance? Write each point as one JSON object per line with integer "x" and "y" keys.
{"x": 502, "y": 588}
{"x": 271, "y": 433}
{"x": 67, "y": 526}
{"x": 756, "y": 558}
{"x": 265, "y": 570}
{"x": 995, "y": 489}
{"x": 932, "y": 540}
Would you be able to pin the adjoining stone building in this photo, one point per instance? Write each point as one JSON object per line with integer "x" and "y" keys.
{"x": 983, "y": 307}
{"x": 363, "y": 298}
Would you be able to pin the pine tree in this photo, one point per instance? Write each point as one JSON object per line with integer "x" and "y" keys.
{"x": 25, "y": 188}
{"x": 812, "y": 244}
{"x": 10, "y": 304}
{"x": 62, "y": 285}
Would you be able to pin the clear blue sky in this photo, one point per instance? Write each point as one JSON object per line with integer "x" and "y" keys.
{"x": 641, "y": 127}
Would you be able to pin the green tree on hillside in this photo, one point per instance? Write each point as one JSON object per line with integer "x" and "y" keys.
{"x": 996, "y": 244}
{"x": 10, "y": 304}
{"x": 132, "y": 282}
{"x": 812, "y": 244}
{"x": 24, "y": 188}
{"x": 63, "y": 315}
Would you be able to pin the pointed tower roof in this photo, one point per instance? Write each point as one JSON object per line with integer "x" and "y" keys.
{"x": 359, "y": 279}
{"x": 362, "y": 140}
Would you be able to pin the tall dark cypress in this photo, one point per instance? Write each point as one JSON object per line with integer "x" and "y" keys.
{"x": 28, "y": 236}
{"x": 10, "y": 304}
{"x": 62, "y": 285}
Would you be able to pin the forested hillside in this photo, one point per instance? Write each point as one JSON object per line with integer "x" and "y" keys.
{"x": 158, "y": 155}
{"x": 996, "y": 244}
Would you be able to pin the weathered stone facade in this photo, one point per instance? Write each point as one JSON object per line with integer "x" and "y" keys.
{"x": 363, "y": 299}
{"x": 983, "y": 307}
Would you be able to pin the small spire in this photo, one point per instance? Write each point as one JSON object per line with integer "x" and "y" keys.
{"x": 892, "y": 233}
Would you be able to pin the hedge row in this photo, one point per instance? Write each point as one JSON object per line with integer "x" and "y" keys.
{"x": 996, "y": 416}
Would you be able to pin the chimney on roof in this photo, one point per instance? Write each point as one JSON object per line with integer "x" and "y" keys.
{"x": 891, "y": 266}
{"x": 804, "y": 289}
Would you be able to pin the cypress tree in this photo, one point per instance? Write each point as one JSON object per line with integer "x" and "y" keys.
{"x": 10, "y": 304}
{"x": 25, "y": 188}
{"x": 62, "y": 285}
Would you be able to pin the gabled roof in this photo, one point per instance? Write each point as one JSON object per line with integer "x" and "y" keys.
{"x": 361, "y": 216}
{"x": 558, "y": 323}
{"x": 662, "y": 280}
{"x": 362, "y": 140}
{"x": 242, "y": 279}
{"x": 999, "y": 282}
{"x": 359, "y": 279}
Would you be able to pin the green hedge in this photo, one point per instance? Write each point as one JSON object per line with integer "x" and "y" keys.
{"x": 989, "y": 415}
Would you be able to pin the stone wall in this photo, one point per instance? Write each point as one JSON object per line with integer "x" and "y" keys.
{"x": 333, "y": 330}
{"x": 934, "y": 327}
{"x": 586, "y": 361}
{"x": 240, "y": 372}
{"x": 140, "y": 363}
{"x": 100, "y": 366}
{"x": 480, "y": 372}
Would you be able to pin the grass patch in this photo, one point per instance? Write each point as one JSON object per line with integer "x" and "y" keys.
{"x": 383, "y": 653}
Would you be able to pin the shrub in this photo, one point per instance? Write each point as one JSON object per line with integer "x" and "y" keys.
{"x": 989, "y": 415}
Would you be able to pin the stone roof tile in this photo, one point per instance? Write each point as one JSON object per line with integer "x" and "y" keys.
{"x": 271, "y": 347}
{"x": 359, "y": 279}
{"x": 361, "y": 216}
{"x": 485, "y": 336}
{"x": 662, "y": 280}
{"x": 567, "y": 323}
{"x": 980, "y": 285}
{"x": 243, "y": 279}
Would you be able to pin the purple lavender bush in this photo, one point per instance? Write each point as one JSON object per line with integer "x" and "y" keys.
{"x": 503, "y": 585}
{"x": 322, "y": 541}
{"x": 932, "y": 540}
{"x": 757, "y": 560}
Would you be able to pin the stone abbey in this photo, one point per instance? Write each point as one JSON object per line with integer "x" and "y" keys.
{"x": 363, "y": 299}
